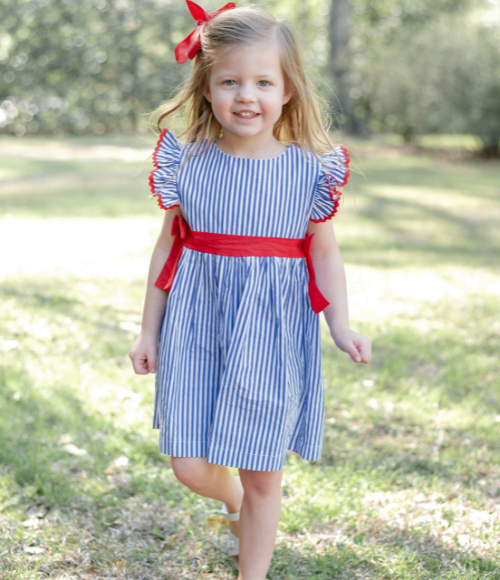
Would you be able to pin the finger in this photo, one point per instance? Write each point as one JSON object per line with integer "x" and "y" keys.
{"x": 151, "y": 363}
{"x": 365, "y": 349}
{"x": 353, "y": 352}
{"x": 140, "y": 366}
{"x": 139, "y": 369}
{"x": 144, "y": 365}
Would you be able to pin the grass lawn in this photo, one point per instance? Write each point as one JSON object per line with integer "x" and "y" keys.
{"x": 409, "y": 483}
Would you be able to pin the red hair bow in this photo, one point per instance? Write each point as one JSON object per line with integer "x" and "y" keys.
{"x": 191, "y": 44}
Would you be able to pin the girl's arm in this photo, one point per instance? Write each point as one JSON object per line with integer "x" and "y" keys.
{"x": 330, "y": 278}
{"x": 144, "y": 351}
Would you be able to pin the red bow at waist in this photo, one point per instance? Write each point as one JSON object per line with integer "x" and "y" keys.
{"x": 241, "y": 246}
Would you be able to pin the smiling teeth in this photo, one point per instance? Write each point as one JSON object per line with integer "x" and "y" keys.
{"x": 246, "y": 114}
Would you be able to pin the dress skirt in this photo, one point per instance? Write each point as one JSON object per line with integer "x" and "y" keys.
{"x": 239, "y": 378}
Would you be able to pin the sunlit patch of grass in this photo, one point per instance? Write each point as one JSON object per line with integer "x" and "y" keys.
{"x": 467, "y": 142}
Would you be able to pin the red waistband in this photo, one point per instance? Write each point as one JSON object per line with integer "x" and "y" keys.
{"x": 239, "y": 246}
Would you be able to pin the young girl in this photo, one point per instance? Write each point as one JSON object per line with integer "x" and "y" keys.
{"x": 236, "y": 349}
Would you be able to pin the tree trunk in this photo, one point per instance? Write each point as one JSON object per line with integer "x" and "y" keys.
{"x": 490, "y": 149}
{"x": 339, "y": 33}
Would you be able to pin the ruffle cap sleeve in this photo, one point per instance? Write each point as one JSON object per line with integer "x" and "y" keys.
{"x": 162, "y": 180}
{"x": 326, "y": 195}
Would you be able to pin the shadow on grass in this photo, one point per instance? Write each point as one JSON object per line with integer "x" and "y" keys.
{"x": 411, "y": 557}
{"x": 77, "y": 189}
{"x": 453, "y": 238}
{"x": 428, "y": 409}
{"x": 293, "y": 564}
{"x": 54, "y": 447}
{"x": 52, "y": 437}
{"x": 475, "y": 176}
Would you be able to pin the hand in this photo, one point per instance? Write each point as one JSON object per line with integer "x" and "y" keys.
{"x": 143, "y": 355}
{"x": 357, "y": 346}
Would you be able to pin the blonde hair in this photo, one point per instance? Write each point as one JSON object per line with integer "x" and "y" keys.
{"x": 300, "y": 122}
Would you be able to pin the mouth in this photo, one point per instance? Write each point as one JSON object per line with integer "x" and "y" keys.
{"x": 246, "y": 114}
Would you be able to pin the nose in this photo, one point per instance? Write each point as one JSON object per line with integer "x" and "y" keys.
{"x": 245, "y": 93}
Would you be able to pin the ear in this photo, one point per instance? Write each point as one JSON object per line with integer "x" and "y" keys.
{"x": 287, "y": 95}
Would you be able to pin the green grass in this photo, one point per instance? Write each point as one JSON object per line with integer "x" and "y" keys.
{"x": 409, "y": 482}
{"x": 75, "y": 189}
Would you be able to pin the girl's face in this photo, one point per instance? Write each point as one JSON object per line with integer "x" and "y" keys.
{"x": 247, "y": 89}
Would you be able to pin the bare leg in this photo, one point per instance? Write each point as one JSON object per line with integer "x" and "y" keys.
{"x": 259, "y": 519}
{"x": 212, "y": 481}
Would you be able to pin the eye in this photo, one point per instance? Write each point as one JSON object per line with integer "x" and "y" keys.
{"x": 268, "y": 83}
{"x": 229, "y": 81}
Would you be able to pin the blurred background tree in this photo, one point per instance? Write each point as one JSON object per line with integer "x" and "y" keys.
{"x": 420, "y": 67}
{"x": 86, "y": 66}
{"x": 409, "y": 67}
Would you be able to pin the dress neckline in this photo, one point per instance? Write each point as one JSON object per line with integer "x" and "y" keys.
{"x": 214, "y": 145}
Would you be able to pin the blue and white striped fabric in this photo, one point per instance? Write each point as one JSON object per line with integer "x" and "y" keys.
{"x": 239, "y": 378}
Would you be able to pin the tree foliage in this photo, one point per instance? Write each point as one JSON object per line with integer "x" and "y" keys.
{"x": 87, "y": 65}
{"x": 427, "y": 67}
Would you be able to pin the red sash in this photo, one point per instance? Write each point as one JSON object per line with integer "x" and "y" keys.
{"x": 229, "y": 245}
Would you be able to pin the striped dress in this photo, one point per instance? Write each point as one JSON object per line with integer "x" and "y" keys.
{"x": 239, "y": 378}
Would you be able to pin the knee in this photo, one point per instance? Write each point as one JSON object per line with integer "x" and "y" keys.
{"x": 262, "y": 484}
{"x": 191, "y": 471}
